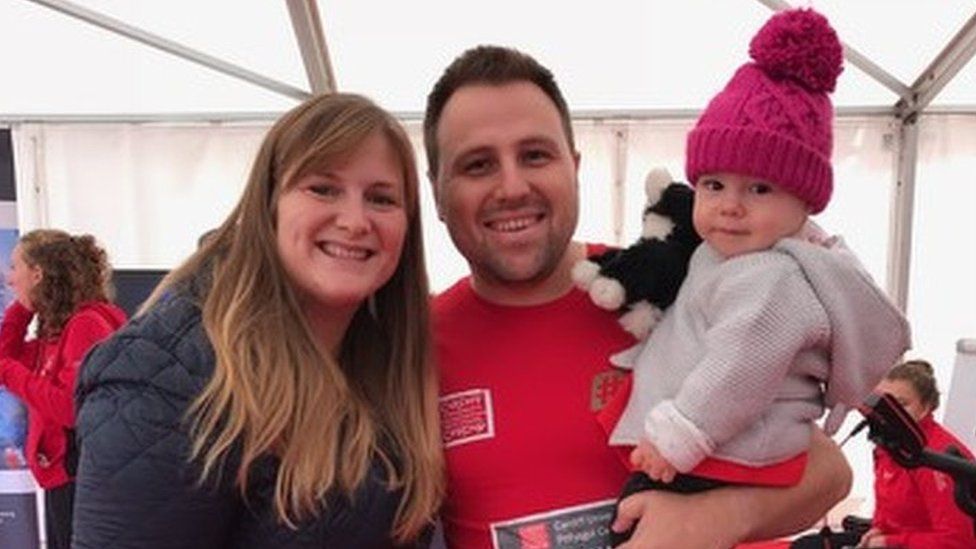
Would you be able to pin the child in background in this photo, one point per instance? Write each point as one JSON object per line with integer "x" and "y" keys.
{"x": 773, "y": 322}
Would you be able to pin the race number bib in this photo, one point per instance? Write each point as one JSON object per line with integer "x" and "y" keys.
{"x": 581, "y": 527}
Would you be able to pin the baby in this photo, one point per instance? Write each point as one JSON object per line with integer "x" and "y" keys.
{"x": 773, "y": 322}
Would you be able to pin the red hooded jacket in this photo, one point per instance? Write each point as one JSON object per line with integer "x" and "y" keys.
{"x": 915, "y": 507}
{"x": 42, "y": 372}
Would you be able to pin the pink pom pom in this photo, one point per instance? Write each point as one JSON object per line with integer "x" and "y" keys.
{"x": 799, "y": 44}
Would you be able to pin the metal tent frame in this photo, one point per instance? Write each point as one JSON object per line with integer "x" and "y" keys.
{"x": 914, "y": 100}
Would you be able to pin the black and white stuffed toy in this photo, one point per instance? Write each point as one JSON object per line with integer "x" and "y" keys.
{"x": 643, "y": 279}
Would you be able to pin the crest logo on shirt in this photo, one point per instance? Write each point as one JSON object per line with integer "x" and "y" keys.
{"x": 466, "y": 416}
{"x": 605, "y": 385}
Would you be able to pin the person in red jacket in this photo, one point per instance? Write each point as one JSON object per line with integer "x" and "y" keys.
{"x": 64, "y": 281}
{"x": 914, "y": 507}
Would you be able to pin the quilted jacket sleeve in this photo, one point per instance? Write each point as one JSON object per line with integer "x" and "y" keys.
{"x": 135, "y": 485}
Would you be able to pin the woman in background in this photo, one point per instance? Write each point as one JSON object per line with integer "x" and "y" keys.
{"x": 277, "y": 388}
{"x": 65, "y": 281}
{"x": 914, "y": 508}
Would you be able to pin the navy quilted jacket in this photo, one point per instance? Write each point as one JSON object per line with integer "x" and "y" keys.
{"x": 135, "y": 485}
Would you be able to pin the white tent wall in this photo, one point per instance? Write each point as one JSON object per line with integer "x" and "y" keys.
{"x": 147, "y": 191}
{"x": 942, "y": 295}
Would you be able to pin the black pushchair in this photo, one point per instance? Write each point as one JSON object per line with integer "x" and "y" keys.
{"x": 892, "y": 429}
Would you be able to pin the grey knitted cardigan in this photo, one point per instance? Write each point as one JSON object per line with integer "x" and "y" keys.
{"x": 752, "y": 350}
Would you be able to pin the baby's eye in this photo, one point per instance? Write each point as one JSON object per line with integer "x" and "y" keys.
{"x": 761, "y": 188}
{"x": 712, "y": 185}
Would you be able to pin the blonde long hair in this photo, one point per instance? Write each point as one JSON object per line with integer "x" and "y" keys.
{"x": 275, "y": 389}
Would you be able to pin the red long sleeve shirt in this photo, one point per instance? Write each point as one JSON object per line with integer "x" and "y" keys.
{"x": 42, "y": 372}
{"x": 915, "y": 507}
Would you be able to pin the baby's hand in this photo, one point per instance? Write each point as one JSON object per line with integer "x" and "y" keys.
{"x": 646, "y": 458}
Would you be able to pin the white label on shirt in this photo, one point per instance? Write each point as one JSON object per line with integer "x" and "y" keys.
{"x": 466, "y": 416}
{"x": 581, "y": 527}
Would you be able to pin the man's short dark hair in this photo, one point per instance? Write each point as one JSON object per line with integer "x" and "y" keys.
{"x": 493, "y": 65}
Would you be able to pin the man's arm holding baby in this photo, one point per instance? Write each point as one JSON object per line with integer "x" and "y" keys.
{"x": 726, "y": 516}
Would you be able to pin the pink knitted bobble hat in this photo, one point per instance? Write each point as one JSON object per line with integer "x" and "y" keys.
{"x": 773, "y": 119}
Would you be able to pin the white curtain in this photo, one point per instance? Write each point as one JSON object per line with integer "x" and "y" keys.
{"x": 145, "y": 191}
{"x": 148, "y": 190}
{"x": 942, "y": 294}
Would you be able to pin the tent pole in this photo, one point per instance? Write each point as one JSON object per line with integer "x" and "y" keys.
{"x": 618, "y": 171}
{"x": 960, "y": 49}
{"x": 856, "y": 58}
{"x": 926, "y": 87}
{"x": 307, "y": 23}
{"x": 171, "y": 47}
{"x": 901, "y": 214}
{"x": 578, "y": 115}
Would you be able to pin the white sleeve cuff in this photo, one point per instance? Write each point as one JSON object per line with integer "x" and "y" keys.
{"x": 682, "y": 443}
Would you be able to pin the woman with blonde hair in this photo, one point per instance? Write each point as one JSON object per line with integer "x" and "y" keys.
{"x": 277, "y": 390}
{"x": 65, "y": 282}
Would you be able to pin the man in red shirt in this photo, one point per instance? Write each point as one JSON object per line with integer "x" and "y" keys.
{"x": 523, "y": 354}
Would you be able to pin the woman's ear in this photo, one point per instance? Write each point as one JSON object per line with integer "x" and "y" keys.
{"x": 928, "y": 409}
{"x": 36, "y": 275}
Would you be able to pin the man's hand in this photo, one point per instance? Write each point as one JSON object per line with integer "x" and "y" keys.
{"x": 723, "y": 517}
{"x": 647, "y": 458}
{"x": 668, "y": 520}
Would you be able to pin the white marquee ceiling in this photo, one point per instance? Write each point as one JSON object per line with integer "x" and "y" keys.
{"x": 614, "y": 54}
